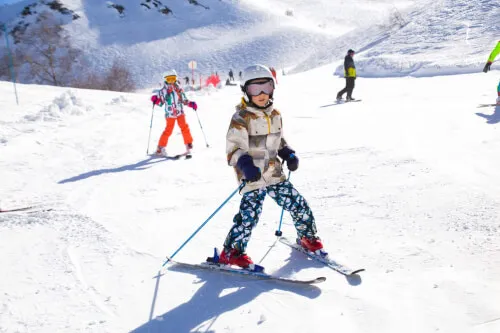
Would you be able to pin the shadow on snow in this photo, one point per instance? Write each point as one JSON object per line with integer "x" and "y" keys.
{"x": 207, "y": 305}
{"x": 141, "y": 165}
{"x": 493, "y": 118}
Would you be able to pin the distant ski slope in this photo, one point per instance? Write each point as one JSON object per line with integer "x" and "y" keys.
{"x": 434, "y": 38}
{"x": 393, "y": 38}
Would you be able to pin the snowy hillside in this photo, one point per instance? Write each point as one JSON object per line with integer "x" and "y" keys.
{"x": 219, "y": 35}
{"x": 393, "y": 38}
{"x": 405, "y": 187}
{"x": 430, "y": 38}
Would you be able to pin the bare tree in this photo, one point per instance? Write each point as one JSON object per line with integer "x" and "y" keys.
{"x": 6, "y": 63}
{"x": 119, "y": 79}
{"x": 89, "y": 81}
{"x": 48, "y": 50}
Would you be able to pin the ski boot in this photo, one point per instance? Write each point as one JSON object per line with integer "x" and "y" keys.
{"x": 312, "y": 244}
{"x": 189, "y": 146}
{"x": 234, "y": 257}
{"x": 161, "y": 151}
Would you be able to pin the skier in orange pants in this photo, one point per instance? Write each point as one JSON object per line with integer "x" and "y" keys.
{"x": 186, "y": 133}
{"x": 172, "y": 96}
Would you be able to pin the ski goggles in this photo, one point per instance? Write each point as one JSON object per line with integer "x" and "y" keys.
{"x": 170, "y": 79}
{"x": 257, "y": 88}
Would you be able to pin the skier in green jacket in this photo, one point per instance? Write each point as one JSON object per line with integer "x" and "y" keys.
{"x": 492, "y": 57}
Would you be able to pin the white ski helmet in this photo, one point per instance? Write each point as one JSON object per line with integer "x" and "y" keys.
{"x": 255, "y": 72}
{"x": 171, "y": 72}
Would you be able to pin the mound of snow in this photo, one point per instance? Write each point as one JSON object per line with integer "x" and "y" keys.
{"x": 118, "y": 100}
{"x": 66, "y": 104}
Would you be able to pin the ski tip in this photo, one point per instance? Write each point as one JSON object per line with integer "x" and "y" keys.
{"x": 319, "y": 280}
{"x": 355, "y": 272}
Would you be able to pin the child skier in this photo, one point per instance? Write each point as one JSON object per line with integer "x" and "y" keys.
{"x": 492, "y": 57}
{"x": 172, "y": 95}
{"x": 254, "y": 142}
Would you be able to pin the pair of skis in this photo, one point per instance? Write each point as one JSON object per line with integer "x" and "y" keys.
{"x": 258, "y": 271}
{"x": 344, "y": 101}
{"x": 186, "y": 156}
{"x": 341, "y": 101}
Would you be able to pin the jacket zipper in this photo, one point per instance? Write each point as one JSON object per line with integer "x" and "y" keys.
{"x": 268, "y": 123}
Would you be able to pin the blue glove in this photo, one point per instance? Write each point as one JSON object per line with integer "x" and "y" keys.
{"x": 251, "y": 172}
{"x": 288, "y": 155}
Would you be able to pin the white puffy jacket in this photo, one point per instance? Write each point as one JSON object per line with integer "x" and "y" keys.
{"x": 259, "y": 133}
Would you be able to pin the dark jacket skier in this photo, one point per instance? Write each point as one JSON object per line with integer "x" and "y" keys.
{"x": 350, "y": 76}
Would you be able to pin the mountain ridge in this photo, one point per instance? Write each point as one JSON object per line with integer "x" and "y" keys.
{"x": 149, "y": 36}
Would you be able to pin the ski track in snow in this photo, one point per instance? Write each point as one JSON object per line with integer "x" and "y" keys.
{"x": 66, "y": 259}
{"x": 404, "y": 183}
{"x": 81, "y": 279}
{"x": 405, "y": 188}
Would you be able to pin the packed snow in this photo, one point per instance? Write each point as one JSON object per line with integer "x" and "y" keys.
{"x": 403, "y": 184}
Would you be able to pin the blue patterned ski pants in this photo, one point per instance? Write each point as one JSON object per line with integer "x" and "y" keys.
{"x": 247, "y": 218}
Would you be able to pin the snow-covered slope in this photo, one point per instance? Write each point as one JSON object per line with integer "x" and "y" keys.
{"x": 230, "y": 34}
{"x": 404, "y": 185}
{"x": 431, "y": 38}
{"x": 393, "y": 38}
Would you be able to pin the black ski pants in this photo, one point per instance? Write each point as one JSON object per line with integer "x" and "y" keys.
{"x": 349, "y": 87}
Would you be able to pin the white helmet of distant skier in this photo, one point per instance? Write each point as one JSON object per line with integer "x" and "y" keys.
{"x": 252, "y": 73}
{"x": 172, "y": 74}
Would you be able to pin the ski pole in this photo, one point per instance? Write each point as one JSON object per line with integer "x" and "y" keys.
{"x": 199, "y": 122}
{"x": 150, "y": 127}
{"x": 278, "y": 232}
{"x": 203, "y": 224}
